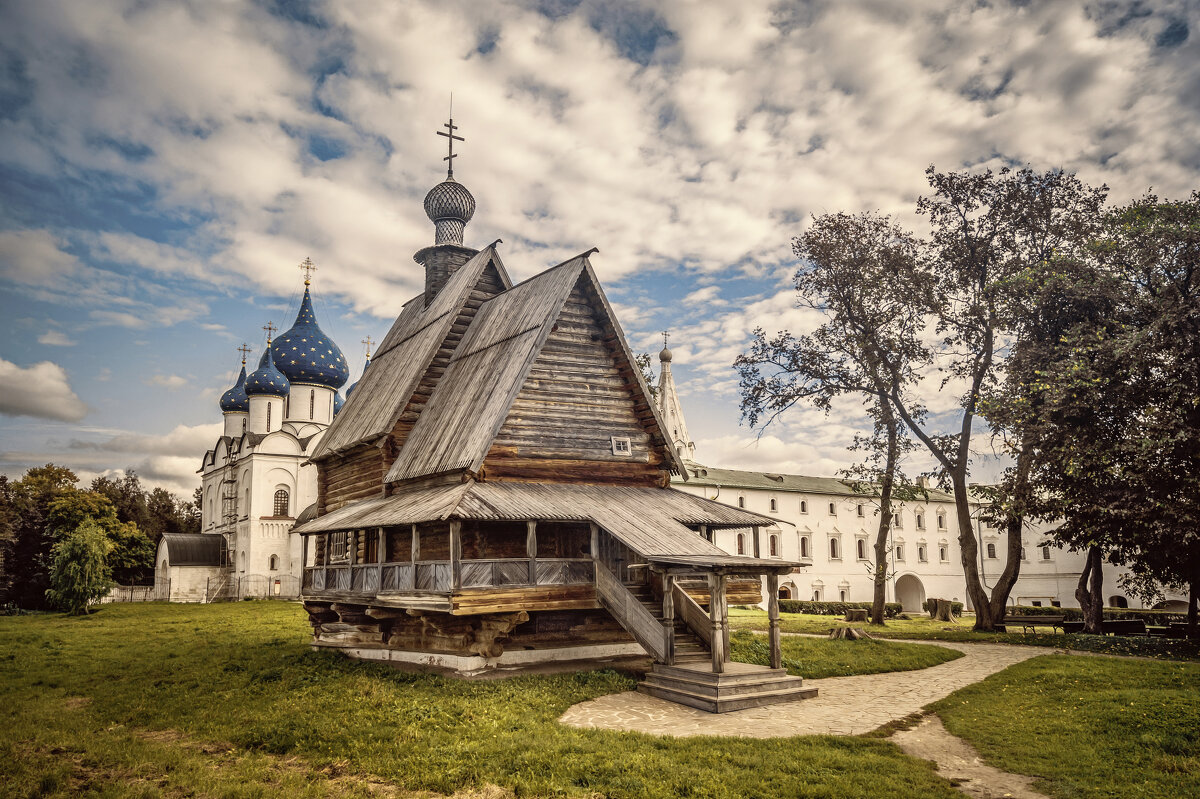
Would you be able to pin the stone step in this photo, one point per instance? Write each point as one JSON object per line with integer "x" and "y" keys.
{"x": 734, "y": 672}
{"x": 715, "y": 690}
{"x": 726, "y": 704}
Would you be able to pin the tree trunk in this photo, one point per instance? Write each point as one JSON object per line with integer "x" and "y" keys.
{"x": 1090, "y": 592}
{"x": 1014, "y": 527}
{"x": 969, "y": 546}
{"x": 879, "y": 599}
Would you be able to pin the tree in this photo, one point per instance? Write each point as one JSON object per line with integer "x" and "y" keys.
{"x": 1116, "y": 411}
{"x": 80, "y": 573}
{"x": 987, "y": 230}
{"x": 861, "y": 273}
{"x": 131, "y": 556}
{"x": 27, "y": 507}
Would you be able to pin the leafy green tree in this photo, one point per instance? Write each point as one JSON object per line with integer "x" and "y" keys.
{"x": 862, "y": 273}
{"x": 80, "y": 574}
{"x": 132, "y": 555}
{"x": 26, "y": 507}
{"x": 1112, "y": 398}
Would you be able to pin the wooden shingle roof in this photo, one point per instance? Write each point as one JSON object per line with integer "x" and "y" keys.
{"x": 487, "y": 371}
{"x": 403, "y": 358}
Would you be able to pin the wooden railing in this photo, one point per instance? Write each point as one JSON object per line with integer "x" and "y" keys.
{"x": 437, "y": 576}
{"x": 631, "y": 614}
{"x": 695, "y": 618}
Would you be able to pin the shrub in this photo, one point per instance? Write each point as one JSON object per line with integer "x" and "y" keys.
{"x": 890, "y": 609}
{"x": 80, "y": 574}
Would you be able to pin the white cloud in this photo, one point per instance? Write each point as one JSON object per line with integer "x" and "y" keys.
{"x": 34, "y": 257}
{"x": 42, "y": 391}
{"x": 56, "y": 338}
{"x": 171, "y": 382}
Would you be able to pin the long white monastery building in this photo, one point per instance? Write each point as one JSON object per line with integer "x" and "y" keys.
{"x": 825, "y": 520}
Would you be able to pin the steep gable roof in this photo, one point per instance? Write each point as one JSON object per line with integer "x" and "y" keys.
{"x": 490, "y": 367}
{"x": 404, "y": 357}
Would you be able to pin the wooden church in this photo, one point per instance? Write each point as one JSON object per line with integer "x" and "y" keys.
{"x": 495, "y": 493}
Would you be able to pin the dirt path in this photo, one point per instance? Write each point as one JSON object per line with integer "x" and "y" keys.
{"x": 958, "y": 762}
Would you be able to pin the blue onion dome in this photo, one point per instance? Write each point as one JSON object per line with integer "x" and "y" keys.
{"x": 266, "y": 380}
{"x": 235, "y": 399}
{"x": 450, "y": 207}
{"x": 354, "y": 385}
{"x": 306, "y": 355}
{"x": 338, "y": 402}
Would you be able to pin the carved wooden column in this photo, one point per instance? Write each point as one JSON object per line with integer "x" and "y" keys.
{"x": 456, "y": 554}
{"x": 716, "y": 614}
{"x": 531, "y": 550}
{"x": 668, "y": 620}
{"x": 773, "y": 620}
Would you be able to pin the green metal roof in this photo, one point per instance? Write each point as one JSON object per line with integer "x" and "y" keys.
{"x": 784, "y": 483}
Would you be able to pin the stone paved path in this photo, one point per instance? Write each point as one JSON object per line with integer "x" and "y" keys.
{"x": 843, "y": 705}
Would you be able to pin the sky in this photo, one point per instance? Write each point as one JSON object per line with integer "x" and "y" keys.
{"x": 165, "y": 167}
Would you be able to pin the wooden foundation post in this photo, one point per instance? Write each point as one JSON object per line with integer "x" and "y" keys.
{"x": 668, "y": 584}
{"x": 716, "y": 615}
{"x": 416, "y": 546}
{"x": 381, "y": 546}
{"x": 757, "y": 544}
{"x": 773, "y": 620}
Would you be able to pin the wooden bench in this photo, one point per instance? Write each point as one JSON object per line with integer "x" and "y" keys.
{"x": 1028, "y": 623}
{"x": 1124, "y": 627}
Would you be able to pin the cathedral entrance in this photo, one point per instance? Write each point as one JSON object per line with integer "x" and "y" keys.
{"x": 910, "y": 593}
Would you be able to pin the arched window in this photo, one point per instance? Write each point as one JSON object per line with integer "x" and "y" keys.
{"x": 832, "y": 509}
{"x": 842, "y": 594}
{"x": 941, "y": 522}
{"x": 741, "y": 544}
{"x": 922, "y": 554}
{"x": 862, "y": 549}
{"x": 804, "y": 506}
{"x": 741, "y": 502}
{"x": 268, "y": 417}
{"x": 1046, "y": 552}
{"x": 273, "y": 563}
{"x": 942, "y": 554}
{"x": 774, "y": 546}
{"x": 900, "y": 552}
{"x": 862, "y": 511}
{"x": 281, "y": 502}
{"x": 834, "y": 554}
{"x": 1023, "y": 555}
{"x": 896, "y": 520}
{"x": 774, "y": 504}
{"x": 804, "y": 546}
{"x": 244, "y": 421}
{"x": 991, "y": 550}
{"x": 920, "y": 521}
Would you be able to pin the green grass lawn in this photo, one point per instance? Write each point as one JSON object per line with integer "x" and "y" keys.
{"x": 925, "y": 628}
{"x": 1088, "y": 726}
{"x": 228, "y": 700}
{"x": 813, "y": 658}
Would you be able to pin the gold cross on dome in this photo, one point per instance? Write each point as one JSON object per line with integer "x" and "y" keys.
{"x": 309, "y": 267}
{"x": 368, "y": 342}
{"x": 270, "y": 328}
{"x": 666, "y": 335}
{"x": 451, "y": 138}
{"x": 244, "y": 350}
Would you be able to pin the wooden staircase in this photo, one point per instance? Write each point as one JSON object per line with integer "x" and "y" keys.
{"x": 690, "y": 680}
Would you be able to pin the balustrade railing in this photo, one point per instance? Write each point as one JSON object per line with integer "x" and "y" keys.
{"x": 438, "y": 576}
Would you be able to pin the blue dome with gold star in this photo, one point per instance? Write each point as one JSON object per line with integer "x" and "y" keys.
{"x": 235, "y": 399}
{"x": 338, "y": 402}
{"x": 306, "y": 355}
{"x": 266, "y": 380}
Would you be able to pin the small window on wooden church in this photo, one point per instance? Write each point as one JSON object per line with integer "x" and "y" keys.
{"x": 621, "y": 446}
{"x": 281, "y": 502}
{"x": 339, "y": 547}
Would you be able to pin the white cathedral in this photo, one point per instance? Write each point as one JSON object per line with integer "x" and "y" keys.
{"x": 256, "y": 480}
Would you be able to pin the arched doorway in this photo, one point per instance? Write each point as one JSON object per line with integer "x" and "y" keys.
{"x": 1118, "y": 601}
{"x": 162, "y": 581}
{"x": 1173, "y": 605}
{"x": 910, "y": 593}
{"x": 785, "y": 591}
